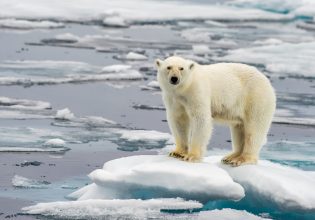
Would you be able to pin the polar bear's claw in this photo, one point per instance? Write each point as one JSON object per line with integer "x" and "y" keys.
{"x": 176, "y": 154}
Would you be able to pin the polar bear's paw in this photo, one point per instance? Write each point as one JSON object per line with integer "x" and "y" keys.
{"x": 228, "y": 158}
{"x": 177, "y": 154}
{"x": 192, "y": 158}
{"x": 243, "y": 159}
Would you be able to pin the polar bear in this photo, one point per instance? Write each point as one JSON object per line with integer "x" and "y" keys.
{"x": 197, "y": 95}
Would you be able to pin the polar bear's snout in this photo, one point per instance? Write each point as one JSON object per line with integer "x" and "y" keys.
{"x": 174, "y": 80}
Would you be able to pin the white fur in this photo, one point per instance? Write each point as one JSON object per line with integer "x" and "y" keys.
{"x": 234, "y": 94}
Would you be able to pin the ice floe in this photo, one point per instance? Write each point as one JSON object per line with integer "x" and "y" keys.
{"x": 25, "y": 24}
{"x": 121, "y": 11}
{"x": 64, "y": 114}
{"x": 55, "y": 142}
{"x": 23, "y": 104}
{"x": 201, "y": 49}
{"x": 304, "y": 8}
{"x": 23, "y": 182}
{"x": 227, "y": 214}
{"x": 30, "y": 72}
{"x": 286, "y": 59}
{"x": 153, "y": 85}
{"x": 135, "y": 56}
{"x": 273, "y": 185}
{"x": 113, "y": 209}
{"x": 28, "y": 139}
{"x": 159, "y": 176}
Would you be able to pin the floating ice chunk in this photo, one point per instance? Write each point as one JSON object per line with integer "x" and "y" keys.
{"x": 33, "y": 149}
{"x": 274, "y": 185}
{"x": 201, "y": 49}
{"x": 22, "y": 115}
{"x": 157, "y": 176}
{"x": 307, "y": 25}
{"x": 144, "y": 135}
{"x": 154, "y": 84}
{"x": 23, "y": 104}
{"x": 115, "y": 21}
{"x": 148, "y": 107}
{"x": 305, "y": 8}
{"x": 68, "y": 37}
{"x": 136, "y": 56}
{"x": 64, "y": 114}
{"x": 116, "y": 68}
{"x": 56, "y": 72}
{"x": 25, "y": 24}
{"x": 22, "y": 182}
{"x": 112, "y": 209}
{"x": 281, "y": 59}
{"x": 55, "y": 142}
{"x": 227, "y": 214}
{"x": 269, "y": 41}
{"x": 197, "y": 35}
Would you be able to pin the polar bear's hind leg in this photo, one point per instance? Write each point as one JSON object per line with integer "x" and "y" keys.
{"x": 237, "y": 135}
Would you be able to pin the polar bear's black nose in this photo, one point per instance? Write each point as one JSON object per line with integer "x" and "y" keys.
{"x": 174, "y": 80}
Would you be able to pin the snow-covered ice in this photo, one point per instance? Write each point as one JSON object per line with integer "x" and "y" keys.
{"x": 285, "y": 59}
{"x": 153, "y": 176}
{"x": 227, "y": 214}
{"x": 274, "y": 185}
{"x": 25, "y": 24}
{"x": 139, "y": 11}
{"x": 55, "y": 142}
{"x": 113, "y": 209}
{"x": 201, "y": 49}
{"x": 23, "y": 104}
{"x": 159, "y": 176}
{"x": 39, "y": 72}
{"x": 135, "y": 56}
{"x": 303, "y": 8}
{"x": 23, "y": 182}
{"x": 64, "y": 114}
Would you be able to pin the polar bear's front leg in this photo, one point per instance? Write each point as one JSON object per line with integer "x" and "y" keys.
{"x": 179, "y": 125}
{"x": 200, "y": 133}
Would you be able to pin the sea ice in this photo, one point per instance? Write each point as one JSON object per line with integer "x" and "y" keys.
{"x": 141, "y": 11}
{"x": 113, "y": 209}
{"x": 39, "y": 72}
{"x": 55, "y": 142}
{"x": 285, "y": 59}
{"x": 116, "y": 68}
{"x": 201, "y": 49}
{"x": 64, "y": 114}
{"x": 23, "y": 104}
{"x": 23, "y": 182}
{"x": 25, "y": 24}
{"x": 148, "y": 176}
{"x": 273, "y": 184}
{"x": 154, "y": 176}
{"x": 135, "y": 56}
{"x": 227, "y": 214}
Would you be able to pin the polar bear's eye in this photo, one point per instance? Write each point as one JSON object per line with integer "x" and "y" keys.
{"x": 169, "y": 67}
{"x": 181, "y": 68}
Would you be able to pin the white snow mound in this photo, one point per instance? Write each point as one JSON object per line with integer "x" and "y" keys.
{"x": 159, "y": 176}
{"x": 285, "y": 187}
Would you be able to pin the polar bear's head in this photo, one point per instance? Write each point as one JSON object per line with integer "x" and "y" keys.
{"x": 174, "y": 71}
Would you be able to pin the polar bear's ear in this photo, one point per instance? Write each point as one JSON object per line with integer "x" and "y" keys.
{"x": 191, "y": 66}
{"x": 158, "y": 63}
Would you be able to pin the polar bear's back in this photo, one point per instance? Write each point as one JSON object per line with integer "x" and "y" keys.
{"x": 235, "y": 85}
